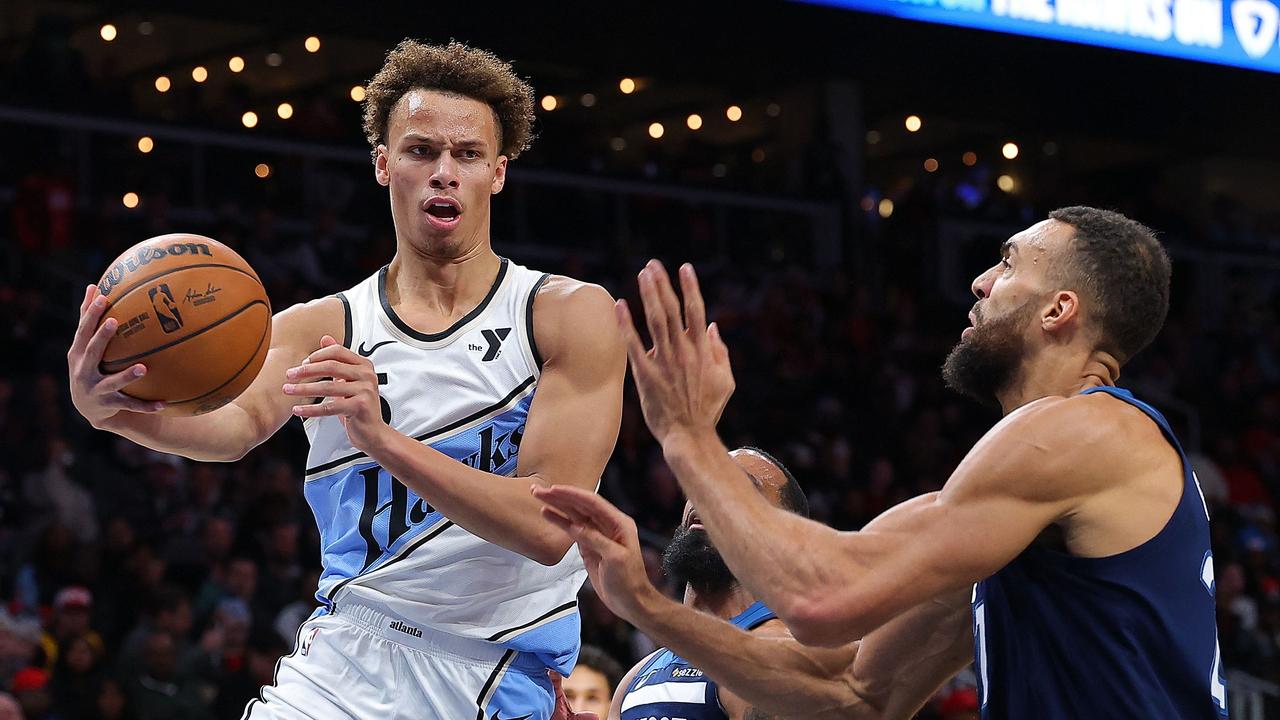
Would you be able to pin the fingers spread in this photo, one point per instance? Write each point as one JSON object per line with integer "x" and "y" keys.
{"x": 88, "y": 322}
{"x": 321, "y": 388}
{"x": 97, "y": 344}
{"x": 635, "y": 347}
{"x": 121, "y": 380}
{"x": 695, "y": 313}
{"x": 124, "y": 402}
{"x": 336, "y": 369}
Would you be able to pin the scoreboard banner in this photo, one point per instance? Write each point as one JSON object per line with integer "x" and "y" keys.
{"x": 1239, "y": 33}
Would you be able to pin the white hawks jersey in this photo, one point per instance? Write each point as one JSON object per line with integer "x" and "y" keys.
{"x": 465, "y": 392}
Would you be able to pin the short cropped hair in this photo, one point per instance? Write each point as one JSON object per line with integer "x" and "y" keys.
{"x": 602, "y": 662}
{"x": 1123, "y": 269}
{"x": 457, "y": 69}
{"x": 793, "y": 497}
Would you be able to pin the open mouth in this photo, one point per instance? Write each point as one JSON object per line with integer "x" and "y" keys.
{"x": 695, "y": 522}
{"x": 443, "y": 212}
{"x": 973, "y": 323}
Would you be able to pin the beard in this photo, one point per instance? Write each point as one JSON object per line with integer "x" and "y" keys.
{"x": 986, "y": 362}
{"x": 691, "y": 558}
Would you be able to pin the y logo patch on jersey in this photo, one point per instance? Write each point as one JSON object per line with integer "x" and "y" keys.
{"x": 494, "y": 339}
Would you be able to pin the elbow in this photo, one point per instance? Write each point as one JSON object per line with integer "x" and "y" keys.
{"x": 549, "y": 551}
{"x": 825, "y": 619}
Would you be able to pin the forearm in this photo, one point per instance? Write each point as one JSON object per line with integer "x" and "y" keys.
{"x": 496, "y": 508}
{"x": 776, "y": 675}
{"x": 224, "y": 435}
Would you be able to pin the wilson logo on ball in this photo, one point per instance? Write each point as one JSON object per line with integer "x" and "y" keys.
{"x": 144, "y": 256}
{"x": 166, "y": 309}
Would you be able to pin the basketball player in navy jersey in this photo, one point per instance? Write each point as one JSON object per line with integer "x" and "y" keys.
{"x": 726, "y": 657}
{"x": 1076, "y": 520}
{"x": 664, "y": 684}
{"x": 432, "y": 393}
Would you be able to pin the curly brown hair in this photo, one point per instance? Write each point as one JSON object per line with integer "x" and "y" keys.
{"x": 453, "y": 68}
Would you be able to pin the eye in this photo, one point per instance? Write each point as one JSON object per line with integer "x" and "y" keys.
{"x": 471, "y": 154}
{"x": 1004, "y": 263}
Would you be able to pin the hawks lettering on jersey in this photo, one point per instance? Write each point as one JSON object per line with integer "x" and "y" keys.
{"x": 465, "y": 392}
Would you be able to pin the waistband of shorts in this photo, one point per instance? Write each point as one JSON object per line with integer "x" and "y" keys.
{"x": 381, "y": 621}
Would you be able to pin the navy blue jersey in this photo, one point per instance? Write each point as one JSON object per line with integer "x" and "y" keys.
{"x": 667, "y": 686}
{"x": 1129, "y": 636}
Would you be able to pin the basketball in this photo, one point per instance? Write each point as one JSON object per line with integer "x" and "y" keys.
{"x": 194, "y": 312}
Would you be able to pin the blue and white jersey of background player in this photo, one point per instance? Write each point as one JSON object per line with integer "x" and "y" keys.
{"x": 465, "y": 392}
{"x": 667, "y": 686}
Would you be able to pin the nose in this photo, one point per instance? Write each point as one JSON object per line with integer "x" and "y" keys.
{"x": 444, "y": 174}
{"x": 981, "y": 286}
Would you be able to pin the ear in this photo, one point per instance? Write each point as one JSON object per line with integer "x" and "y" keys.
{"x": 1062, "y": 310}
{"x": 499, "y": 176}
{"x": 380, "y": 172}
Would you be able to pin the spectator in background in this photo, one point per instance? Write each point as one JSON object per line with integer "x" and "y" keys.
{"x": 590, "y": 687}
{"x": 69, "y": 621}
{"x": 169, "y": 612}
{"x": 77, "y": 677}
{"x": 31, "y": 690}
{"x": 160, "y": 692}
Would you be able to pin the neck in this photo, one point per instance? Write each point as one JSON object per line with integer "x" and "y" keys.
{"x": 440, "y": 286}
{"x": 1053, "y": 372}
{"x": 724, "y": 604}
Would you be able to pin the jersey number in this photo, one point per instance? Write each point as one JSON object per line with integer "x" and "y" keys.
{"x": 1217, "y": 682}
{"x": 980, "y": 637}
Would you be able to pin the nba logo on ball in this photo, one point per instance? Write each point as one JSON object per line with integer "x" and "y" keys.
{"x": 166, "y": 309}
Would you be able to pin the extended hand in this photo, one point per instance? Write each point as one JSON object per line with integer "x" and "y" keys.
{"x": 349, "y": 386}
{"x": 685, "y": 380}
{"x": 98, "y": 397}
{"x": 608, "y": 542}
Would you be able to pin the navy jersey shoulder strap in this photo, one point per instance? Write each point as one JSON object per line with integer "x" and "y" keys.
{"x": 754, "y": 616}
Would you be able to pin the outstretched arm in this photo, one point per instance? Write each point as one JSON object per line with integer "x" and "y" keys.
{"x": 834, "y": 587}
{"x": 222, "y": 435}
{"x": 571, "y": 429}
{"x": 767, "y": 673}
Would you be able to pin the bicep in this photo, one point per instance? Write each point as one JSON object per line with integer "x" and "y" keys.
{"x": 930, "y": 545}
{"x": 295, "y": 333}
{"x": 577, "y": 409}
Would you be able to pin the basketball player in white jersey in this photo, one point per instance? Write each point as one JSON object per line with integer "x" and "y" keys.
{"x": 432, "y": 393}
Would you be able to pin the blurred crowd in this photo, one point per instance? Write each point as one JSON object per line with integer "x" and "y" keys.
{"x": 139, "y": 585}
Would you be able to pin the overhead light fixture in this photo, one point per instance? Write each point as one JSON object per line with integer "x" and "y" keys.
{"x": 163, "y": 84}
{"x": 284, "y": 110}
{"x": 734, "y": 113}
{"x": 656, "y": 130}
{"x": 145, "y": 144}
{"x": 249, "y": 119}
{"x": 694, "y": 121}
{"x": 627, "y": 86}
{"x": 199, "y": 73}
{"x": 913, "y": 123}
{"x": 236, "y": 64}
{"x": 312, "y": 44}
{"x": 107, "y": 32}
{"x": 131, "y": 200}
{"x": 357, "y": 93}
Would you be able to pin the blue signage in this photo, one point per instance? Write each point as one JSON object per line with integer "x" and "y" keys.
{"x": 1240, "y": 33}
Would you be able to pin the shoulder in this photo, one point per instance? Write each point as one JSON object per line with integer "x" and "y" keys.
{"x": 308, "y": 322}
{"x": 1055, "y": 447}
{"x": 570, "y": 314}
{"x": 562, "y": 294}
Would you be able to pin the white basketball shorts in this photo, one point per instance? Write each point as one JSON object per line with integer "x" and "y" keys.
{"x": 362, "y": 663}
